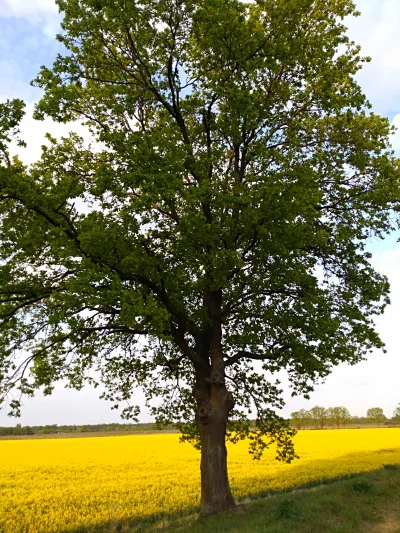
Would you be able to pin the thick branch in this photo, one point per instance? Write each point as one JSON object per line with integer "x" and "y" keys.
{"x": 180, "y": 341}
{"x": 243, "y": 354}
{"x": 72, "y": 234}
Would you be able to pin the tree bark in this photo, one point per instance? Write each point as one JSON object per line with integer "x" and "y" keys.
{"x": 214, "y": 403}
{"x": 212, "y": 416}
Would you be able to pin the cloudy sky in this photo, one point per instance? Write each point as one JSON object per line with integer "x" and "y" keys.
{"x": 27, "y": 30}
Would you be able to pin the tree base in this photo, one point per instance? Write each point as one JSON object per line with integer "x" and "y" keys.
{"x": 209, "y": 509}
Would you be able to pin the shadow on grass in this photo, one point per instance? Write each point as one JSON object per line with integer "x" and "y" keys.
{"x": 323, "y": 472}
{"x": 138, "y": 524}
{"x": 164, "y": 521}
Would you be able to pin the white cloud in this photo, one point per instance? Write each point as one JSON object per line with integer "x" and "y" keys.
{"x": 38, "y": 12}
{"x": 395, "y": 138}
{"x": 377, "y": 30}
{"x": 68, "y": 406}
{"x": 12, "y": 83}
{"x": 22, "y": 8}
{"x": 33, "y": 133}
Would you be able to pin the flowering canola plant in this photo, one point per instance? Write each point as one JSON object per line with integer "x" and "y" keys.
{"x": 55, "y": 485}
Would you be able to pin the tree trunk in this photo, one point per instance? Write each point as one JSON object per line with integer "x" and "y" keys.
{"x": 214, "y": 403}
{"x": 212, "y": 417}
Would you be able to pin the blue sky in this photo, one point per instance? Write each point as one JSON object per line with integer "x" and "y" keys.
{"x": 27, "y": 30}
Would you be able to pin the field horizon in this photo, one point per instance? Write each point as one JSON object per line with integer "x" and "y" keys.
{"x": 166, "y": 431}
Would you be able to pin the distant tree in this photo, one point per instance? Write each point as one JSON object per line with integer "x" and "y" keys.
{"x": 375, "y": 414}
{"x": 329, "y": 420}
{"x": 306, "y": 417}
{"x": 339, "y": 416}
{"x": 296, "y": 420}
{"x": 301, "y": 419}
{"x": 346, "y": 416}
{"x": 396, "y": 414}
{"x": 319, "y": 416}
{"x": 237, "y": 175}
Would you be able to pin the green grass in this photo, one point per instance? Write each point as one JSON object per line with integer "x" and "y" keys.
{"x": 366, "y": 503}
{"x": 370, "y": 502}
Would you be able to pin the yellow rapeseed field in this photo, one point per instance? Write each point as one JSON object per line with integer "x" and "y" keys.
{"x": 55, "y": 485}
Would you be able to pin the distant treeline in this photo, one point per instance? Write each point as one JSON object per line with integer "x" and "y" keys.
{"x": 84, "y": 428}
{"x": 316, "y": 418}
{"x": 320, "y": 417}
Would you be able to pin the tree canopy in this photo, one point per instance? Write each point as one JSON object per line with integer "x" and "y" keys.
{"x": 214, "y": 233}
{"x": 376, "y": 414}
{"x": 320, "y": 416}
{"x": 339, "y": 415}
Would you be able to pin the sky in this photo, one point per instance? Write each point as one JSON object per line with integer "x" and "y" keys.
{"x": 27, "y": 41}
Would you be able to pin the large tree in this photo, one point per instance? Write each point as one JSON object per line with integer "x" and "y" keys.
{"x": 215, "y": 233}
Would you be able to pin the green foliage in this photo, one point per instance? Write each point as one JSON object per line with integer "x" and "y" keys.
{"x": 301, "y": 419}
{"x": 11, "y": 113}
{"x": 319, "y": 416}
{"x": 396, "y": 414}
{"x": 217, "y": 232}
{"x": 375, "y": 414}
{"x": 339, "y": 416}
